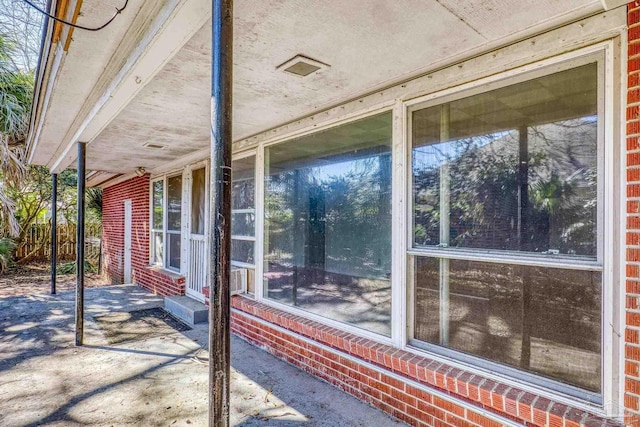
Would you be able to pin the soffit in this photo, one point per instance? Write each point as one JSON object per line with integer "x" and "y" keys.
{"x": 368, "y": 44}
{"x": 88, "y": 56}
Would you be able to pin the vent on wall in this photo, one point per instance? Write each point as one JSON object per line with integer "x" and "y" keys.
{"x": 154, "y": 145}
{"x": 301, "y": 66}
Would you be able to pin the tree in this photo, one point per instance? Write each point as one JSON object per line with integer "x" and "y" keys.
{"x": 16, "y": 91}
{"x": 23, "y": 24}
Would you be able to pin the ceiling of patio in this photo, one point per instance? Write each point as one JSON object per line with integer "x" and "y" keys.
{"x": 368, "y": 44}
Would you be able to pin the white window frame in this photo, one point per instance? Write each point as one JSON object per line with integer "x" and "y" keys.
{"x": 179, "y": 232}
{"x": 261, "y": 157}
{"x": 165, "y": 229}
{"x": 254, "y": 211}
{"x": 254, "y": 238}
{"x": 188, "y": 187}
{"x": 152, "y": 231}
{"x": 607, "y": 154}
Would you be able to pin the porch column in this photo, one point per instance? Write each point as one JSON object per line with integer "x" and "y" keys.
{"x": 220, "y": 214}
{"x": 80, "y": 246}
{"x": 54, "y": 230}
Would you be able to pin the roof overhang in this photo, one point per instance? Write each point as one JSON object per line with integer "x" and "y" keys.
{"x": 144, "y": 81}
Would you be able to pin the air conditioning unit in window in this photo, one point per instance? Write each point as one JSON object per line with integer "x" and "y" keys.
{"x": 238, "y": 282}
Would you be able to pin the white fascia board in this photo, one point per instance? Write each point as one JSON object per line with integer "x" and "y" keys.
{"x": 172, "y": 28}
{"x": 43, "y": 102}
{"x": 41, "y": 93}
{"x": 612, "y": 4}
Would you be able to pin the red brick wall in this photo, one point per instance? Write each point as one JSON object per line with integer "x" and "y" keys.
{"x": 347, "y": 366}
{"x": 632, "y": 341}
{"x": 418, "y": 406}
{"x": 154, "y": 279}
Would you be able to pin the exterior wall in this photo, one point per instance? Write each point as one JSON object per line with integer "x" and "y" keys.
{"x": 425, "y": 392}
{"x": 152, "y": 278}
{"x": 632, "y": 300}
{"x": 414, "y": 388}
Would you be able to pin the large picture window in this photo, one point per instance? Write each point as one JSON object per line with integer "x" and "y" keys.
{"x": 328, "y": 223}
{"x": 507, "y": 258}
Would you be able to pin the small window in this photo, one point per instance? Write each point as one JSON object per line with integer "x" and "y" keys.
{"x": 506, "y": 207}
{"x": 166, "y": 221}
{"x": 174, "y": 221}
{"x": 157, "y": 222}
{"x": 243, "y": 217}
{"x": 198, "y": 202}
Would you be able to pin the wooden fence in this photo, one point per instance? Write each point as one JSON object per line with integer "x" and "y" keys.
{"x": 37, "y": 242}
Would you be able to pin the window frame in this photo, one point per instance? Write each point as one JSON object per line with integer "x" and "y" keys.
{"x": 602, "y": 54}
{"x": 254, "y": 211}
{"x": 240, "y": 156}
{"x": 152, "y": 231}
{"x": 165, "y": 229}
{"x": 189, "y": 193}
{"x": 389, "y": 106}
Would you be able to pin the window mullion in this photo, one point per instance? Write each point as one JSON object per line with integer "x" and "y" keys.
{"x": 445, "y": 208}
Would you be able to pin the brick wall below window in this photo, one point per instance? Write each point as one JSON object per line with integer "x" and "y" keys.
{"x": 346, "y": 364}
{"x": 152, "y": 278}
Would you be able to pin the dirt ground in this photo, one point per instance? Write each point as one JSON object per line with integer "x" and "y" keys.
{"x": 137, "y": 370}
{"x": 35, "y": 279}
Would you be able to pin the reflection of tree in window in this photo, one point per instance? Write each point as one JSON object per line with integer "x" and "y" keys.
{"x": 522, "y": 176}
{"x": 328, "y": 223}
{"x": 487, "y": 184}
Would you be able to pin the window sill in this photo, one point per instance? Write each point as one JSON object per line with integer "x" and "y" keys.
{"x": 172, "y": 274}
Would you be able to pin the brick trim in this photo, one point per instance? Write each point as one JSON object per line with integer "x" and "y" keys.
{"x": 405, "y": 402}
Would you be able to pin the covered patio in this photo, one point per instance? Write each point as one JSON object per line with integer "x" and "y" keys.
{"x": 421, "y": 202}
{"x": 145, "y": 370}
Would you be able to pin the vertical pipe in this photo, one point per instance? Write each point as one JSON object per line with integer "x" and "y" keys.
{"x": 445, "y": 202}
{"x": 80, "y": 246}
{"x": 220, "y": 215}
{"x": 54, "y": 230}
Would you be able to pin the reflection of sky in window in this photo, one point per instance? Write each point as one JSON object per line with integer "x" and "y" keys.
{"x": 588, "y": 119}
{"x": 340, "y": 169}
{"x": 433, "y": 156}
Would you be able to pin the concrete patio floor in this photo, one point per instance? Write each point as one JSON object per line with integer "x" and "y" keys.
{"x": 151, "y": 378}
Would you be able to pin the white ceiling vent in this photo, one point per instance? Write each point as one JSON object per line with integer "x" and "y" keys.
{"x": 302, "y": 66}
{"x": 154, "y": 145}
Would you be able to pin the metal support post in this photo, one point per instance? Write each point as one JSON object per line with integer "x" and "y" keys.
{"x": 54, "y": 231}
{"x": 80, "y": 246}
{"x": 220, "y": 214}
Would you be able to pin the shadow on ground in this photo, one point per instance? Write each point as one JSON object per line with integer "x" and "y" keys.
{"x": 150, "y": 379}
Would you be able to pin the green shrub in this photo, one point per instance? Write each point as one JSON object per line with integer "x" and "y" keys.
{"x": 7, "y": 249}
{"x": 70, "y": 268}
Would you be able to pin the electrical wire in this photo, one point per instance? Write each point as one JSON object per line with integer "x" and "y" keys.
{"x": 118, "y": 11}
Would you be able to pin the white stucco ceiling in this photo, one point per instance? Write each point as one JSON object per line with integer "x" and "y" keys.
{"x": 368, "y": 44}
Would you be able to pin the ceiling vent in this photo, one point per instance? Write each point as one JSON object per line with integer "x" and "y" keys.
{"x": 154, "y": 145}
{"x": 302, "y": 66}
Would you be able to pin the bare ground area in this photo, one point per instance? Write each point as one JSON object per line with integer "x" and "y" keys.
{"x": 138, "y": 368}
{"x": 34, "y": 279}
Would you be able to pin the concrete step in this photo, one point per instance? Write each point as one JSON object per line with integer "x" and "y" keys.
{"x": 187, "y": 309}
